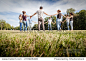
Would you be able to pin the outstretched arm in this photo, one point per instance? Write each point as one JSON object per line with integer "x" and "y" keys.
{"x": 33, "y": 14}
{"x": 46, "y": 14}
{"x": 63, "y": 15}
{"x": 27, "y": 15}
{"x": 34, "y": 21}
{"x": 70, "y": 17}
{"x": 55, "y": 14}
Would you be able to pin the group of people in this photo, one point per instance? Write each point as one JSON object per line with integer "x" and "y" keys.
{"x": 40, "y": 12}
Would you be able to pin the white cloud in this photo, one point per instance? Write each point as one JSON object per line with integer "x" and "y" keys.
{"x": 31, "y": 7}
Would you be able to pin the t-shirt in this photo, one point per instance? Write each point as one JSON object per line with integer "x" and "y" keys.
{"x": 30, "y": 21}
{"x": 49, "y": 21}
{"x": 67, "y": 19}
{"x": 40, "y": 13}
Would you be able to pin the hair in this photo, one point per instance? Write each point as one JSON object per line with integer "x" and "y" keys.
{"x": 59, "y": 10}
{"x": 71, "y": 13}
{"x": 20, "y": 15}
{"x": 67, "y": 15}
{"x": 23, "y": 12}
{"x": 41, "y": 7}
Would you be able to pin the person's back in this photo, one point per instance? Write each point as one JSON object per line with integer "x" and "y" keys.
{"x": 59, "y": 16}
{"x": 40, "y": 13}
{"x": 24, "y": 17}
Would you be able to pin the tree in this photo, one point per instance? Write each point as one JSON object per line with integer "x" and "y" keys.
{"x": 35, "y": 27}
{"x": 2, "y": 24}
{"x": 71, "y": 10}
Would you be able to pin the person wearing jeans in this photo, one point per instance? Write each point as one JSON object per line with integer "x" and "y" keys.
{"x": 58, "y": 20}
{"x": 71, "y": 24}
{"x": 71, "y": 21}
{"x": 49, "y": 23}
{"x": 20, "y": 18}
{"x": 20, "y": 26}
{"x": 25, "y": 25}
{"x": 67, "y": 21}
{"x": 30, "y": 23}
{"x": 40, "y": 17}
{"x": 24, "y": 16}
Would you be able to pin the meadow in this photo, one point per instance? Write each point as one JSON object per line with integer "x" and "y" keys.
{"x": 43, "y": 44}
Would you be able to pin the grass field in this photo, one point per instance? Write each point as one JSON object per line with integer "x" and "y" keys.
{"x": 43, "y": 44}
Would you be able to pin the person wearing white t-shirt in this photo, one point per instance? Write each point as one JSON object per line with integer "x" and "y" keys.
{"x": 67, "y": 21}
{"x": 49, "y": 23}
{"x": 40, "y": 17}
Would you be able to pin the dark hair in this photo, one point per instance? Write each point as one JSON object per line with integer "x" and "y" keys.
{"x": 59, "y": 10}
{"x": 41, "y": 7}
{"x": 71, "y": 13}
{"x": 23, "y": 12}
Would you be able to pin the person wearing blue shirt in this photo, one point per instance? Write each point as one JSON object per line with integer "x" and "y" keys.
{"x": 30, "y": 23}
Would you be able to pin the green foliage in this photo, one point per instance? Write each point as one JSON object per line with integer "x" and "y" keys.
{"x": 71, "y": 10}
{"x": 43, "y": 44}
{"x": 4, "y": 25}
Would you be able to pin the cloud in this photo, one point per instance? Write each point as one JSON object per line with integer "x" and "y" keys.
{"x": 31, "y": 6}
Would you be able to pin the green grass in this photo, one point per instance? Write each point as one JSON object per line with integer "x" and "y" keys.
{"x": 43, "y": 44}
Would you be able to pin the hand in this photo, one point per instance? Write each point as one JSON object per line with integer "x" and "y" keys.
{"x": 31, "y": 16}
{"x": 62, "y": 22}
{"x": 64, "y": 16}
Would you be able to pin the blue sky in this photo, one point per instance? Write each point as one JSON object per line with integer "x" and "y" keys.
{"x": 10, "y": 9}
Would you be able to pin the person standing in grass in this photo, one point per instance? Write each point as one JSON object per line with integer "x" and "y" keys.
{"x": 58, "y": 21}
{"x": 40, "y": 17}
{"x": 49, "y": 23}
{"x": 20, "y": 18}
{"x": 71, "y": 21}
{"x": 24, "y": 16}
{"x": 30, "y": 23}
{"x": 67, "y": 21}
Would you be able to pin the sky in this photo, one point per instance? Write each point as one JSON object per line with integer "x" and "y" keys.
{"x": 11, "y": 9}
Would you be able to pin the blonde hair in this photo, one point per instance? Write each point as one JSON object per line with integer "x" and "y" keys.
{"x": 20, "y": 16}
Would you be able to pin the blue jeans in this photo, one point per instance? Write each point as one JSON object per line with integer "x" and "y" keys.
{"x": 71, "y": 24}
{"x": 25, "y": 24}
{"x": 58, "y": 23}
{"x": 20, "y": 26}
{"x": 68, "y": 25}
{"x": 49, "y": 25}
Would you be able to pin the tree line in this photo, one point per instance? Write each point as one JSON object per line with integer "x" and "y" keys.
{"x": 6, "y": 26}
